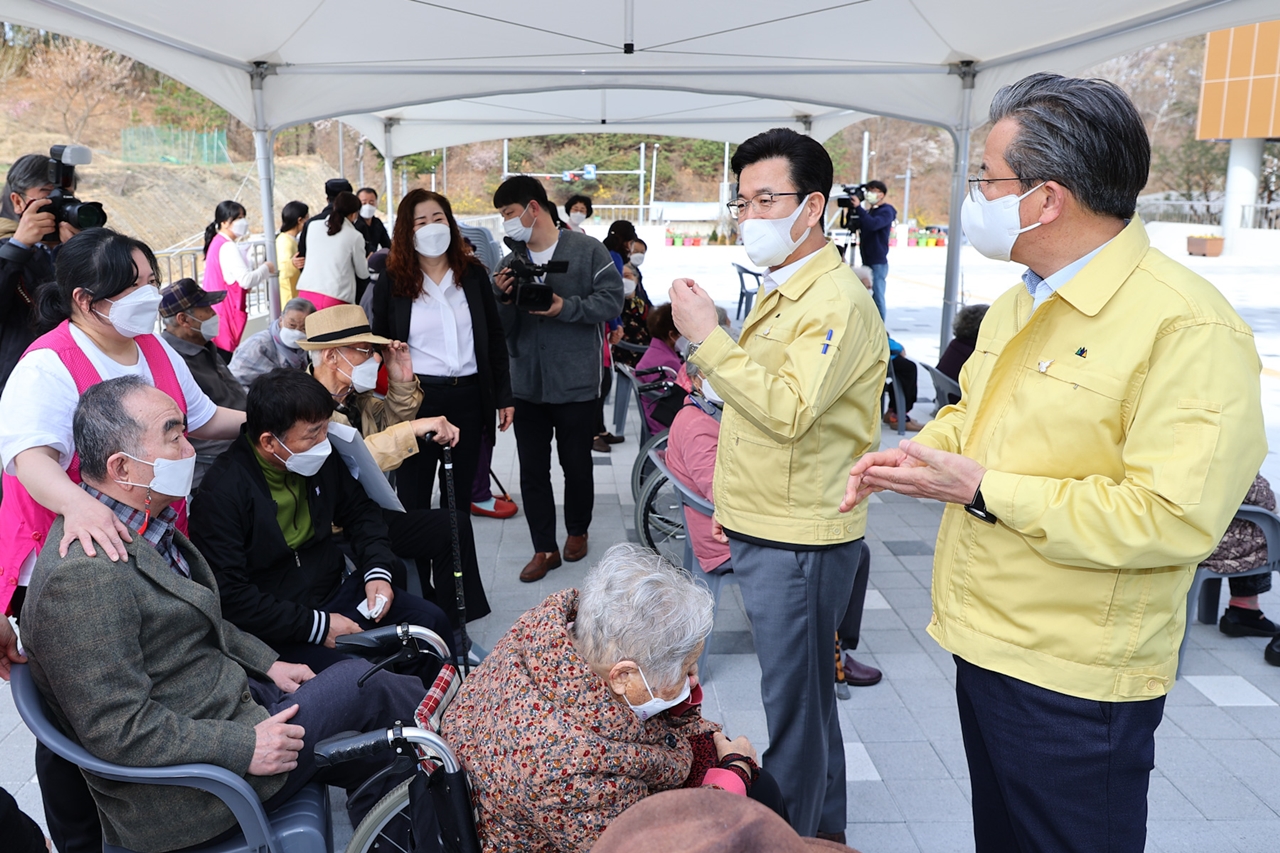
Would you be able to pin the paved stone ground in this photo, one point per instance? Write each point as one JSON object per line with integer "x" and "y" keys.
{"x": 1217, "y": 780}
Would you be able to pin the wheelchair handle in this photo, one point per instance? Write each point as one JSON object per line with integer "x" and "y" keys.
{"x": 340, "y": 748}
{"x": 389, "y": 639}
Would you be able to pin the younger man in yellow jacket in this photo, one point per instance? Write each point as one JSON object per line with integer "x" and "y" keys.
{"x": 1110, "y": 426}
{"x": 802, "y": 393}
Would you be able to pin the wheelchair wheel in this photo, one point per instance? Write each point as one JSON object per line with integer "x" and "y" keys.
{"x": 660, "y": 518}
{"x": 643, "y": 466}
{"x": 385, "y": 829}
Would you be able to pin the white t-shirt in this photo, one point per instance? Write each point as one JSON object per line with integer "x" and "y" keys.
{"x": 441, "y": 340}
{"x": 40, "y": 398}
{"x": 235, "y": 268}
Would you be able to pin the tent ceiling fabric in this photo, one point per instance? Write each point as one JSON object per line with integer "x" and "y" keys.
{"x": 724, "y": 118}
{"x": 890, "y": 57}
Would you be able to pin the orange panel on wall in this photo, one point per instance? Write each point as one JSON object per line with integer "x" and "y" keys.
{"x": 1240, "y": 94}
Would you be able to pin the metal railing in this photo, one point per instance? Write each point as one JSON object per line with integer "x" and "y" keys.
{"x": 1265, "y": 216}
{"x": 1190, "y": 212}
{"x": 189, "y": 263}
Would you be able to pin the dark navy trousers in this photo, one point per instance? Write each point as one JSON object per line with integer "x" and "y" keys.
{"x": 1052, "y": 772}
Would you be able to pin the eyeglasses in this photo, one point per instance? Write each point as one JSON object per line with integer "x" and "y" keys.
{"x": 760, "y": 203}
{"x": 976, "y": 184}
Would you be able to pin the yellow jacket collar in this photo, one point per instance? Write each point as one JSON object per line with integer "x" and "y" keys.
{"x": 1094, "y": 285}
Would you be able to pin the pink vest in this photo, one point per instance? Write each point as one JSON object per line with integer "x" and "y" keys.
{"x": 23, "y": 522}
{"x": 231, "y": 310}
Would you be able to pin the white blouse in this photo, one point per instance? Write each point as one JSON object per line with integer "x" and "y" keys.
{"x": 334, "y": 263}
{"x": 235, "y": 267}
{"x": 441, "y": 340}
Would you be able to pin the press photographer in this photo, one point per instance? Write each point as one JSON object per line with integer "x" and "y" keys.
{"x": 39, "y": 212}
{"x": 877, "y": 217}
{"x": 555, "y": 335}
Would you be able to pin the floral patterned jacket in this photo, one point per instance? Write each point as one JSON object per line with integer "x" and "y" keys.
{"x": 552, "y": 758}
{"x": 1243, "y": 546}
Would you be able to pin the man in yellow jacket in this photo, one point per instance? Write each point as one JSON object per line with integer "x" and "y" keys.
{"x": 802, "y": 393}
{"x": 1110, "y": 425}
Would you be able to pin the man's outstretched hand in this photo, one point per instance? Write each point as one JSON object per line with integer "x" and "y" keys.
{"x": 915, "y": 470}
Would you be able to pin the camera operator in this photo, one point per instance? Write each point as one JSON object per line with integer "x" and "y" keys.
{"x": 26, "y": 257}
{"x": 555, "y": 364}
{"x": 877, "y": 226}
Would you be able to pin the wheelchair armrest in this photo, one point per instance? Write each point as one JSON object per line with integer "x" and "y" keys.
{"x": 233, "y": 790}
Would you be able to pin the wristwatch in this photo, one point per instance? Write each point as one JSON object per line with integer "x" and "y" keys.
{"x": 688, "y": 353}
{"x": 978, "y": 508}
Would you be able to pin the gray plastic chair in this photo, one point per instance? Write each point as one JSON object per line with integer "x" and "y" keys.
{"x": 302, "y": 825}
{"x": 623, "y": 382}
{"x": 746, "y": 295}
{"x": 1206, "y": 588}
{"x": 942, "y": 386}
{"x": 716, "y": 578}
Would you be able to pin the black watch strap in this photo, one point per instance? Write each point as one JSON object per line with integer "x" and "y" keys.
{"x": 978, "y": 508}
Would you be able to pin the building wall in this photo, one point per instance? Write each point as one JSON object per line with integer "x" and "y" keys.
{"x": 1240, "y": 95}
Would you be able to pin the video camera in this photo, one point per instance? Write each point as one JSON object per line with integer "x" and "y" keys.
{"x": 527, "y": 292}
{"x": 63, "y": 204}
{"x": 850, "y": 204}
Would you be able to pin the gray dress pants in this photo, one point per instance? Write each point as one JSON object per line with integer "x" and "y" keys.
{"x": 795, "y": 600}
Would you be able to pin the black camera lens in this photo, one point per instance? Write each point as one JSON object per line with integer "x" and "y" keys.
{"x": 86, "y": 214}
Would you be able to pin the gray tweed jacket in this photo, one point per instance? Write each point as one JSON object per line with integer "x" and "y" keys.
{"x": 140, "y": 667}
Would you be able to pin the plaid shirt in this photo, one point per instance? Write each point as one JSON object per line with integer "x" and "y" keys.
{"x": 159, "y": 531}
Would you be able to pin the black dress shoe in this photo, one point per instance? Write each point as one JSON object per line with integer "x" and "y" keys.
{"x": 1272, "y": 652}
{"x": 1242, "y": 622}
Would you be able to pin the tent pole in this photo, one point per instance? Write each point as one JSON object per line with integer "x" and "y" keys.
{"x": 959, "y": 186}
{"x": 386, "y": 164}
{"x": 263, "y": 154}
{"x": 641, "y": 171}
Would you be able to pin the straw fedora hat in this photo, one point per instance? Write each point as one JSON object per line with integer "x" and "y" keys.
{"x": 339, "y": 326}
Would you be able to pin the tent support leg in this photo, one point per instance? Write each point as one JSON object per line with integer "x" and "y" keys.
{"x": 386, "y": 166}
{"x": 262, "y": 147}
{"x": 959, "y": 186}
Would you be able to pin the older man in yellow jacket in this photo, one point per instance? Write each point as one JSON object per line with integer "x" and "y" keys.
{"x": 1110, "y": 425}
{"x": 802, "y": 390}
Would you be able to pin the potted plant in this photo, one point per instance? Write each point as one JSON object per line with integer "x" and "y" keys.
{"x": 1205, "y": 245}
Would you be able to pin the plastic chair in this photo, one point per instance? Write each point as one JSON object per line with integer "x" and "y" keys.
{"x": 302, "y": 825}
{"x": 716, "y": 579}
{"x": 746, "y": 295}
{"x": 621, "y": 395}
{"x": 943, "y": 385}
{"x": 1206, "y": 587}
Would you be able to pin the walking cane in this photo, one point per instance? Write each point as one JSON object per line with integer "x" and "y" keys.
{"x": 464, "y": 651}
{"x": 506, "y": 496}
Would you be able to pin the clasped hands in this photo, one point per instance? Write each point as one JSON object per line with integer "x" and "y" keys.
{"x": 916, "y": 470}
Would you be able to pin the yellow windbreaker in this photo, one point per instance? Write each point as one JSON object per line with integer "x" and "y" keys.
{"x": 803, "y": 388}
{"x": 1121, "y": 426}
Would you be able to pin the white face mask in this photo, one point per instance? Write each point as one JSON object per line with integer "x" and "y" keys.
{"x": 993, "y": 225}
{"x": 637, "y": 258}
{"x": 655, "y": 705}
{"x": 209, "y": 328}
{"x": 710, "y": 393}
{"x": 628, "y": 286}
{"x": 290, "y": 337}
{"x": 516, "y": 229}
{"x": 363, "y": 376}
{"x": 240, "y": 227}
{"x": 577, "y": 218}
{"x": 307, "y": 463}
{"x": 134, "y": 314}
{"x": 368, "y": 211}
{"x": 170, "y": 477}
{"x": 432, "y": 240}
{"x": 768, "y": 241}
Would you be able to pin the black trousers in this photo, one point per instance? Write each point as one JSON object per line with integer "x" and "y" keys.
{"x": 416, "y": 478}
{"x": 69, "y": 809}
{"x": 21, "y": 833}
{"x": 424, "y": 536}
{"x": 906, "y": 372}
{"x": 851, "y": 625}
{"x": 405, "y": 607}
{"x": 1052, "y": 772}
{"x": 573, "y": 427}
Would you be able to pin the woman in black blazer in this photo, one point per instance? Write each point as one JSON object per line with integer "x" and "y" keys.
{"x": 437, "y": 297}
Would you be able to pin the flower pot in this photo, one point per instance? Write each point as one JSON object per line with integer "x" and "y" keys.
{"x": 942, "y": 241}
{"x": 679, "y": 241}
{"x": 911, "y": 241}
{"x": 893, "y": 241}
{"x": 931, "y": 241}
{"x": 1208, "y": 247}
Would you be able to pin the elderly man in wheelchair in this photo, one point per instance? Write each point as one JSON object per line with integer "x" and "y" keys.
{"x": 138, "y": 665}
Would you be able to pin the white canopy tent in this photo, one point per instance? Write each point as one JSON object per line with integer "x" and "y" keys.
{"x": 280, "y": 63}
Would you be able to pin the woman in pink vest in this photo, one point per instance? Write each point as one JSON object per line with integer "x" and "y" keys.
{"x": 101, "y": 313}
{"x": 227, "y": 268}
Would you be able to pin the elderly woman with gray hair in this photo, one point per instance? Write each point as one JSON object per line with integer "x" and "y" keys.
{"x": 590, "y": 703}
